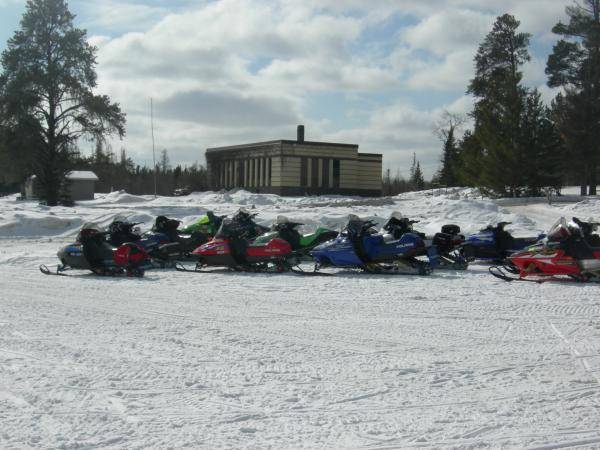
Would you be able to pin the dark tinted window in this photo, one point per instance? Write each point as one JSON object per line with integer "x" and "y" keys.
{"x": 303, "y": 171}
{"x": 314, "y": 175}
{"x": 325, "y": 170}
{"x": 336, "y": 173}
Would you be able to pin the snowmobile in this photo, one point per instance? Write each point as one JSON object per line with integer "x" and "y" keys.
{"x": 301, "y": 243}
{"x": 359, "y": 245}
{"x": 570, "y": 251}
{"x": 166, "y": 243}
{"x": 494, "y": 244}
{"x": 442, "y": 248}
{"x": 232, "y": 248}
{"x": 93, "y": 251}
{"x": 208, "y": 224}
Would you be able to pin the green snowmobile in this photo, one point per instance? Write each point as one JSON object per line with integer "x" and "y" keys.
{"x": 208, "y": 224}
{"x": 301, "y": 243}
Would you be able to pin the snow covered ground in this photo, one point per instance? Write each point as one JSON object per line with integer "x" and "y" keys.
{"x": 228, "y": 360}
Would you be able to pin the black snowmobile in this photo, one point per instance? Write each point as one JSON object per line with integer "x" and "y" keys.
{"x": 167, "y": 243}
{"x": 441, "y": 249}
{"x": 494, "y": 244}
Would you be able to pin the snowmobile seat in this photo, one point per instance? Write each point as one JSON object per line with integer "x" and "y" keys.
{"x": 292, "y": 236}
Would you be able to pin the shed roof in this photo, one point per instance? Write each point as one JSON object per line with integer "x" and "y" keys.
{"x": 85, "y": 175}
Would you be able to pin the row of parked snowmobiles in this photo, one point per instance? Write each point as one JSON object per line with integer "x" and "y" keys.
{"x": 570, "y": 250}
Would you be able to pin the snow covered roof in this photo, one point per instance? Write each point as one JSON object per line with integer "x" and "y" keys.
{"x": 82, "y": 175}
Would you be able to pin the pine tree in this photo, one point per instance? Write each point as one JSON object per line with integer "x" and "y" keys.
{"x": 164, "y": 161}
{"x": 471, "y": 159}
{"x": 446, "y": 131}
{"x": 46, "y": 91}
{"x": 499, "y": 105}
{"x": 543, "y": 158}
{"x": 413, "y": 167}
{"x": 574, "y": 65}
{"x": 418, "y": 180}
{"x": 448, "y": 172}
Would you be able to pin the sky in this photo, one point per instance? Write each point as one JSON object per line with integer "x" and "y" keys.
{"x": 376, "y": 73}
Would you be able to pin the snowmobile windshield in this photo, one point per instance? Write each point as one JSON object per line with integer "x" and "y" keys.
{"x": 265, "y": 238}
{"x": 398, "y": 225}
{"x": 359, "y": 227}
{"x": 89, "y": 229}
{"x": 204, "y": 220}
{"x": 232, "y": 228}
{"x": 559, "y": 231}
{"x": 225, "y": 229}
{"x": 286, "y": 226}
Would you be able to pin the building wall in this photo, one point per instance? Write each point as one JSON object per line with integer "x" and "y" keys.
{"x": 296, "y": 169}
{"x": 370, "y": 174}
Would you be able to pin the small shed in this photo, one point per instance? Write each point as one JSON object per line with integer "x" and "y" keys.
{"x": 82, "y": 184}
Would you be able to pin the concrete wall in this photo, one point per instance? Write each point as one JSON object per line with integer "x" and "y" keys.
{"x": 369, "y": 173}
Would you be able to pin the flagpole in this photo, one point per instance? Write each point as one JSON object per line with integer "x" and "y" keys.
{"x": 153, "y": 147}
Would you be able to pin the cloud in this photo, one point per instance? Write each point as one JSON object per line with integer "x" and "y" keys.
{"x": 218, "y": 108}
{"x": 233, "y": 71}
{"x": 449, "y": 31}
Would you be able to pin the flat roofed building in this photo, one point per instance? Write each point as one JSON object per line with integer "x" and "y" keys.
{"x": 297, "y": 167}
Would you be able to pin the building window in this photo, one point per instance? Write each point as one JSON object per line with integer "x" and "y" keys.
{"x": 314, "y": 173}
{"x": 240, "y": 174}
{"x": 270, "y": 174}
{"x": 336, "y": 173}
{"x": 325, "y": 170}
{"x": 304, "y": 171}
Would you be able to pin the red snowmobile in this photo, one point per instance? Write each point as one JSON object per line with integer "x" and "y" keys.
{"x": 571, "y": 251}
{"x": 232, "y": 248}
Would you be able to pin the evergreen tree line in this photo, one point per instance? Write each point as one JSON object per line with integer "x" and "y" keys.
{"x": 519, "y": 146}
{"x": 123, "y": 174}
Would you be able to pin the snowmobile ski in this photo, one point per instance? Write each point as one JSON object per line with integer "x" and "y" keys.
{"x": 399, "y": 267}
{"x": 46, "y": 271}
{"x": 500, "y": 273}
{"x": 313, "y": 273}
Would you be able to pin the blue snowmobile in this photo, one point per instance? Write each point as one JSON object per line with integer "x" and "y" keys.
{"x": 494, "y": 244}
{"x": 360, "y": 246}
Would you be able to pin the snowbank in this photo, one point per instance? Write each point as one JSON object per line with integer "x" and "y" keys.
{"x": 434, "y": 208}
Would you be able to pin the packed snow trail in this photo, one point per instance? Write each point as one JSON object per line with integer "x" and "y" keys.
{"x": 230, "y": 360}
